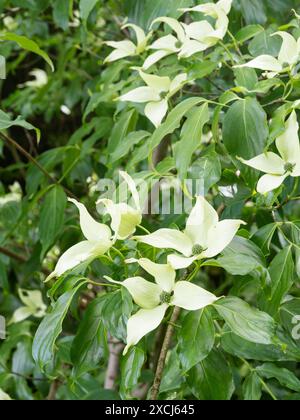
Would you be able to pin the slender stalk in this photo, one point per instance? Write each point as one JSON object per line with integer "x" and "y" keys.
{"x": 163, "y": 354}
{"x": 31, "y": 159}
{"x": 12, "y": 255}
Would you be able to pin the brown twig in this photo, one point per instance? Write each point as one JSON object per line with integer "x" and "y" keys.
{"x": 53, "y": 390}
{"x": 163, "y": 354}
{"x": 12, "y": 255}
{"x": 31, "y": 159}
{"x": 19, "y": 258}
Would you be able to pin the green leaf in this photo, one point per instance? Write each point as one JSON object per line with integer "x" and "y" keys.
{"x": 282, "y": 278}
{"x": 212, "y": 378}
{"x": 201, "y": 70}
{"x": 245, "y": 321}
{"x": 124, "y": 126}
{"x": 207, "y": 169}
{"x": 191, "y": 135}
{"x": 131, "y": 367}
{"x": 241, "y": 257}
{"x": 245, "y": 129}
{"x": 50, "y": 328}
{"x": 28, "y": 45}
{"x": 143, "y": 12}
{"x": 252, "y": 387}
{"x": 248, "y": 32}
{"x": 116, "y": 313}
{"x": 61, "y": 11}
{"x": 86, "y": 7}
{"x": 290, "y": 317}
{"x": 52, "y": 217}
{"x": 173, "y": 121}
{"x": 168, "y": 127}
{"x": 263, "y": 237}
{"x": 196, "y": 338}
{"x": 7, "y": 122}
{"x": 285, "y": 377}
{"x": 90, "y": 349}
{"x": 237, "y": 346}
{"x": 264, "y": 43}
{"x": 253, "y": 11}
{"x": 127, "y": 144}
{"x": 246, "y": 78}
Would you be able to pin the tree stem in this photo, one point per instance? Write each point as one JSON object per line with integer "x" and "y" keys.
{"x": 163, "y": 354}
{"x": 31, "y": 159}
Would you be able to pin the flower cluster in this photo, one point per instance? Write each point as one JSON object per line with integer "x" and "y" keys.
{"x": 288, "y": 57}
{"x": 185, "y": 41}
{"x": 204, "y": 237}
{"x": 278, "y": 168}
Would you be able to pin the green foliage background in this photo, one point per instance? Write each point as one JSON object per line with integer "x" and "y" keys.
{"x": 223, "y": 352}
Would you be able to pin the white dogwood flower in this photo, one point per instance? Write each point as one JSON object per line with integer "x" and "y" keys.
{"x": 124, "y": 218}
{"x": 156, "y": 95}
{"x": 278, "y": 168}
{"x": 33, "y": 306}
{"x": 180, "y": 44}
{"x": 155, "y": 298}
{"x": 288, "y": 57}
{"x": 204, "y": 236}
{"x": 99, "y": 237}
{"x": 203, "y": 31}
{"x": 123, "y": 49}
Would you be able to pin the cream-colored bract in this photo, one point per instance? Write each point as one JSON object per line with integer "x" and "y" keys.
{"x": 181, "y": 44}
{"x": 33, "y": 306}
{"x": 192, "y": 38}
{"x": 278, "y": 168}
{"x": 123, "y": 49}
{"x": 156, "y": 94}
{"x": 4, "y": 396}
{"x": 124, "y": 218}
{"x": 204, "y": 237}
{"x": 155, "y": 298}
{"x": 288, "y": 58}
{"x": 99, "y": 237}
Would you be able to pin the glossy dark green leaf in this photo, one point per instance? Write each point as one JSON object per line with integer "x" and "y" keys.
{"x": 241, "y": 257}
{"x": 116, "y": 313}
{"x": 212, "y": 378}
{"x": 196, "y": 338}
{"x": 282, "y": 278}
{"x": 263, "y": 237}
{"x": 252, "y": 387}
{"x": 245, "y": 321}
{"x": 191, "y": 136}
{"x": 285, "y": 350}
{"x": 90, "y": 348}
{"x": 245, "y": 129}
{"x": 284, "y": 376}
{"x": 131, "y": 367}
{"x": 52, "y": 217}
{"x": 43, "y": 348}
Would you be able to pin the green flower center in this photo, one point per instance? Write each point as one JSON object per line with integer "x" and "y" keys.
{"x": 166, "y": 297}
{"x": 289, "y": 167}
{"x": 163, "y": 95}
{"x": 178, "y": 44}
{"x": 198, "y": 249}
